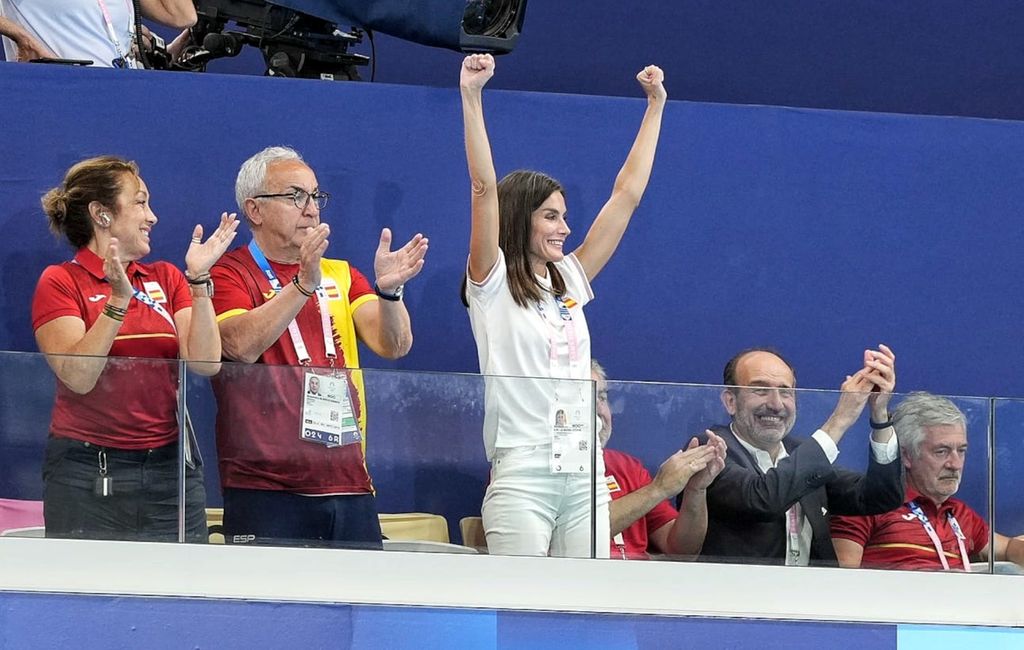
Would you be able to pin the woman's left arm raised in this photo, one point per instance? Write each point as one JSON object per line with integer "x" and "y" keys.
{"x": 605, "y": 234}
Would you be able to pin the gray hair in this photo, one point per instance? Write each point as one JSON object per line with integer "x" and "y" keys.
{"x": 253, "y": 173}
{"x": 920, "y": 410}
{"x": 598, "y": 370}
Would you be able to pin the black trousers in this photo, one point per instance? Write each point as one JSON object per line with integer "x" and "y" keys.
{"x": 286, "y": 519}
{"x": 143, "y": 500}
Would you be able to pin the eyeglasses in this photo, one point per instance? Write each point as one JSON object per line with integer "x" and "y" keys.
{"x": 300, "y": 198}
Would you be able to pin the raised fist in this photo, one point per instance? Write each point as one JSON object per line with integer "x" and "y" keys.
{"x": 652, "y": 80}
{"x": 476, "y": 70}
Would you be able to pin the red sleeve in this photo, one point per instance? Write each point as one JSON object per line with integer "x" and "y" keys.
{"x": 976, "y": 530}
{"x": 856, "y": 528}
{"x": 177, "y": 287}
{"x": 229, "y": 290}
{"x": 360, "y": 285}
{"x": 56, "y": 295}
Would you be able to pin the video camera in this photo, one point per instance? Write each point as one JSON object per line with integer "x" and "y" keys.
{"x": 293, "y": 44}
{"x": 301, "y": 38}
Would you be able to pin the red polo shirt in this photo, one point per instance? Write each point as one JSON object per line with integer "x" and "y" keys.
{"x": 626, "y": 474}
{"x": 259, "y": 405}
{"x": 134, "y": 403}
{"x": 897, "y": 539}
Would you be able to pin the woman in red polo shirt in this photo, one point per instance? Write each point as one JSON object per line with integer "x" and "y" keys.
{"x": 111, "y": 468}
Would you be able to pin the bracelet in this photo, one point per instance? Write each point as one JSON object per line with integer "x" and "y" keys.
{"x": 390, "y": 297}
{"x": 199, "y": 279}
{"x": 302, "y": 289}
{"x": 114, "y": 313}
{"x": 123, "y": 311}
{"x": 878, "y": 426}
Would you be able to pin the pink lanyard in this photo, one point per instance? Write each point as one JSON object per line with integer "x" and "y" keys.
{"x": 793, "y": 517}
{"x": 570, "y": 331}
{"x": 930, "y": 530}
{"x": 293, "y": 327}
{"x": 111, "y": 32}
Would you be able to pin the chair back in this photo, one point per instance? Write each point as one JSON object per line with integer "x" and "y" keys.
{"x": 414, "y": 525}
{"x": 472, "y": 529}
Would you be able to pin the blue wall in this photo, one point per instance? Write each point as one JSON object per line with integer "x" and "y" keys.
{"x": 818, "y": 232}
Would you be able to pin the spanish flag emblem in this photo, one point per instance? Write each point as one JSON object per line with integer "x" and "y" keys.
{"x": 331, "y": 289}
{"x": 155, "y": 291}
{"x": 569, "y": 302}
{"x": 613, "y": 484}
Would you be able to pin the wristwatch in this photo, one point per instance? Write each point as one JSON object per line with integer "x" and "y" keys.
{"x": 393, "y": 297}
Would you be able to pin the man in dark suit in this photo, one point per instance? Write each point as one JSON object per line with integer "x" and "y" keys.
{"x": 772, "y": 501}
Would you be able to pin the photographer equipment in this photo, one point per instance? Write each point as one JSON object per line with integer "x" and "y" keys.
{"x": 474, "y": 26}
{"x": 293, "y": 44}
{"x": 300, "y": 38}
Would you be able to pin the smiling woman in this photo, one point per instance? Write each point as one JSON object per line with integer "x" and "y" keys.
{"x": 525, "y": 297}
{"x": 111, "y": 459}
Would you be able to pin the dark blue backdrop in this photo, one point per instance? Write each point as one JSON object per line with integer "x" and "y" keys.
{"x": 944, "y": 57}
{"x": 819, "y": 232}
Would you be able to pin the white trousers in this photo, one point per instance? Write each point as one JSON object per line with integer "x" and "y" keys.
{"x": 527, "y": 510}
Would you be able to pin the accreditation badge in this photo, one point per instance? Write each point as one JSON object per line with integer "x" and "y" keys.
{"x": 570, "y": 438}
{"x": 327, "y": 415}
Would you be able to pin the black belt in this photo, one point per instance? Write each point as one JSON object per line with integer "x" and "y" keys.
{"x": 167, "y": 452}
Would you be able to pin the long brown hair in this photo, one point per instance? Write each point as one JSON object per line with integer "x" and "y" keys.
{"x": 519, "y": 195}
{"x": 94, "y": 179}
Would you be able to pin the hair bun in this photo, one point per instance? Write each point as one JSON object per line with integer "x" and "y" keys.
{"x": 55, "y": 205}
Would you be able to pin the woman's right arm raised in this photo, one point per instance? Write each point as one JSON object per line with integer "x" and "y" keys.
{"x": 483, "y": 238}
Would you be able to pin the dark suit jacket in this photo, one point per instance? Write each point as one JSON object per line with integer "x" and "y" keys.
{"x": 747, "y": 507}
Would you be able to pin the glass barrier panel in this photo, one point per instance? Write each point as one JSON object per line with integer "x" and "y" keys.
{"x": 94, "y": 454}
{"x": 1008, "y": 510}
{"x": 336, "y": 458}
{"x": 316, "y": 457}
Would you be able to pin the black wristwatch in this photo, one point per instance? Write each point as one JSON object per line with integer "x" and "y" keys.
{"x": 393, "y": 297}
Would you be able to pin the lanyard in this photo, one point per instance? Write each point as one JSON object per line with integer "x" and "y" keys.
{"x": 293, "y": 327}
{"x": 620, "y": 545}
{"x": 930, "y": 530}
{"x": 794, "y": 523}
{"x": 112, "y": 33}
{"x": 144, "y": 298}
{"x": 569, "y": 328}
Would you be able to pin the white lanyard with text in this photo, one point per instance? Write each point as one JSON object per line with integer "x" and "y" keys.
{"x": 930, "y": 530}
{"x": 112, "y": 33}
{"x": 293, "y": 327}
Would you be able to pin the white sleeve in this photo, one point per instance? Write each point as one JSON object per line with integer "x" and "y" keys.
{"x": 485, "y": 290}
{"x": 827, "y": 445}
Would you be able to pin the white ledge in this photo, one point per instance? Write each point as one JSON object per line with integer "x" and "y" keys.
{"x": 539, "y": 584}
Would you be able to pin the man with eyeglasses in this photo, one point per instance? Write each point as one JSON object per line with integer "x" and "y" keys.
{"x": 291, "y": 459}
{"x": 771, "y": 502}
